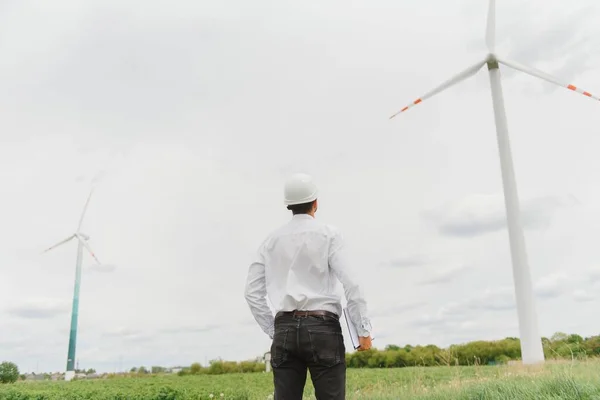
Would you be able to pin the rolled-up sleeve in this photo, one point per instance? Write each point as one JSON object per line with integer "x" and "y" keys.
{"x": 356, "y": 303}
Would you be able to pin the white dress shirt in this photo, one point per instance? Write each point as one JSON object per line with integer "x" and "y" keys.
{"x": 299, "y": 267}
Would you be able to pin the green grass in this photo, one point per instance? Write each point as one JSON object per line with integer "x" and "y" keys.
{"x": 565, "y": 381}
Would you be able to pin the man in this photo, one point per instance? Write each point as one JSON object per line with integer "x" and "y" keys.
{"x": 298, "y": 267}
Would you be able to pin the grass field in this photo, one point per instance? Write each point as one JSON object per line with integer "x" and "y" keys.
{"x": 565, "y": 381}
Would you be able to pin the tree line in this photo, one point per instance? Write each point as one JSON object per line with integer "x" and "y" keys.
{"x": 559, "y": 346}
{"x": 218, "y": 367}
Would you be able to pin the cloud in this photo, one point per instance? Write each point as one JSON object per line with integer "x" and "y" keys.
{"x": 408, "y": 261}
{"x": 13, "y": 343}
{"x": 552, "y": 286}
{"x": 593, "y": 274}
{"x": 458, "y": 313}
{"x": 445, "y": 275}
{"x": 582, "y": 296}
{"x": 127, "y": 334}
{"x": 496, "y": 300}
{"x": 492, "y": 299}
{"x": 499, "y": 299}
{"x": 479, "y": 214}
{"x": 102, "y": 268}
{"x": 192, "y": 329}
{"x": 397, "y": 309}
{"x": 39, "y": 308}
{"x": 562, "y": 42}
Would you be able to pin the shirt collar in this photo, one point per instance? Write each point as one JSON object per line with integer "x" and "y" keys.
{"x": 302, "y": 216}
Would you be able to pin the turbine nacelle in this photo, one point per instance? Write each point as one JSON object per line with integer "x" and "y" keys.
{"x": 491, "y": 58}
{"x": 83, "y": 236}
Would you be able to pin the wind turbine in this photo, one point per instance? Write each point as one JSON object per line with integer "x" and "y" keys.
{"x": 82, "y": 241}
{"x": 531, "y": 344}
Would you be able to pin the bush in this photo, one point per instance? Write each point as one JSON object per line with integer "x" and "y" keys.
{"x": 9, "y": 372}
{"x": 195, "y": 368}
{"x": 219, "y": 367}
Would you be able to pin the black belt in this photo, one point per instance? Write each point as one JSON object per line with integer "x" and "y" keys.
{"x": 310, "y": 313}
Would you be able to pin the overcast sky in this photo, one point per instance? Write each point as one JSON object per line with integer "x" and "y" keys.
{"x": 188, "y": 116}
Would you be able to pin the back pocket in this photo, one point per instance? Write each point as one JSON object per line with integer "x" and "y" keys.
{"x": 327, "y": 347}
{"x": 279, "y": 351}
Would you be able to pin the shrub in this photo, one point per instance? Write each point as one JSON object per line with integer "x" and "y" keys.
{"x": 9, "y": 372}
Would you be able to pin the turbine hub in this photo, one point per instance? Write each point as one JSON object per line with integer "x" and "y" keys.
{"x": 492, "y": 61}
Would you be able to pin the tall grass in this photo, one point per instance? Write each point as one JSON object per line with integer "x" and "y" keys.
{"x": 554, "y": 380}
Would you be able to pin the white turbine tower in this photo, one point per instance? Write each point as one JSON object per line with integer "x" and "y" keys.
{"x": 82, "y": 241}
{"x": 531, "y": 345}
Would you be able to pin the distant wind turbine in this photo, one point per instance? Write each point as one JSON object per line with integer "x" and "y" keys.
{"x": 531, "y": 345}
{"x": 82, "y": 241}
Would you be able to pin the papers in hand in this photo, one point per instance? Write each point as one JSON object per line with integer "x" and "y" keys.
{"x": 351, "y": 330}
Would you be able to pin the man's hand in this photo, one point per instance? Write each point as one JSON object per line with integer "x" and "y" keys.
{"x": 365, "y": 343}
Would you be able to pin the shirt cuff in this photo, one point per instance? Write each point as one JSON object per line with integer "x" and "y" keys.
{"x": 364, "y": 330}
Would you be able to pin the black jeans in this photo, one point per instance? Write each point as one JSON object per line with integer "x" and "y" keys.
{"x": 314, "y": 343}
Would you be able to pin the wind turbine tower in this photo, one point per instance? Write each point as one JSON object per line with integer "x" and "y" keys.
{"x": 82, "y": 242}
{"x": 531, "y": 344}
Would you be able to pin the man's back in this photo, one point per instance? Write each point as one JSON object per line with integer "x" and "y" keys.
{"x": 296, "y": 259}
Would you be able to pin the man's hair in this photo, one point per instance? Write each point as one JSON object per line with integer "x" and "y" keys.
{"x": 303, "y": 208}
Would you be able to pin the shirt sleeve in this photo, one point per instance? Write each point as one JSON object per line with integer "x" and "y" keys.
{"x": 357, "y": 305}
{"x": 256, "y": 296}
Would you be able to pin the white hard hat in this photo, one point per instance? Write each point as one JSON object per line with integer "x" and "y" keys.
{"x": 299, "y": 189}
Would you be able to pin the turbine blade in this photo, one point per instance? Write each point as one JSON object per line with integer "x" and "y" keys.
{"x": 490, "y": 37}
{"x": 88, "y": 248}
{"x": 542, "y": 75}
{"x": 450, "y": 82}
{"x": 84, "y": 209}
{"x": 58, "y": 244}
